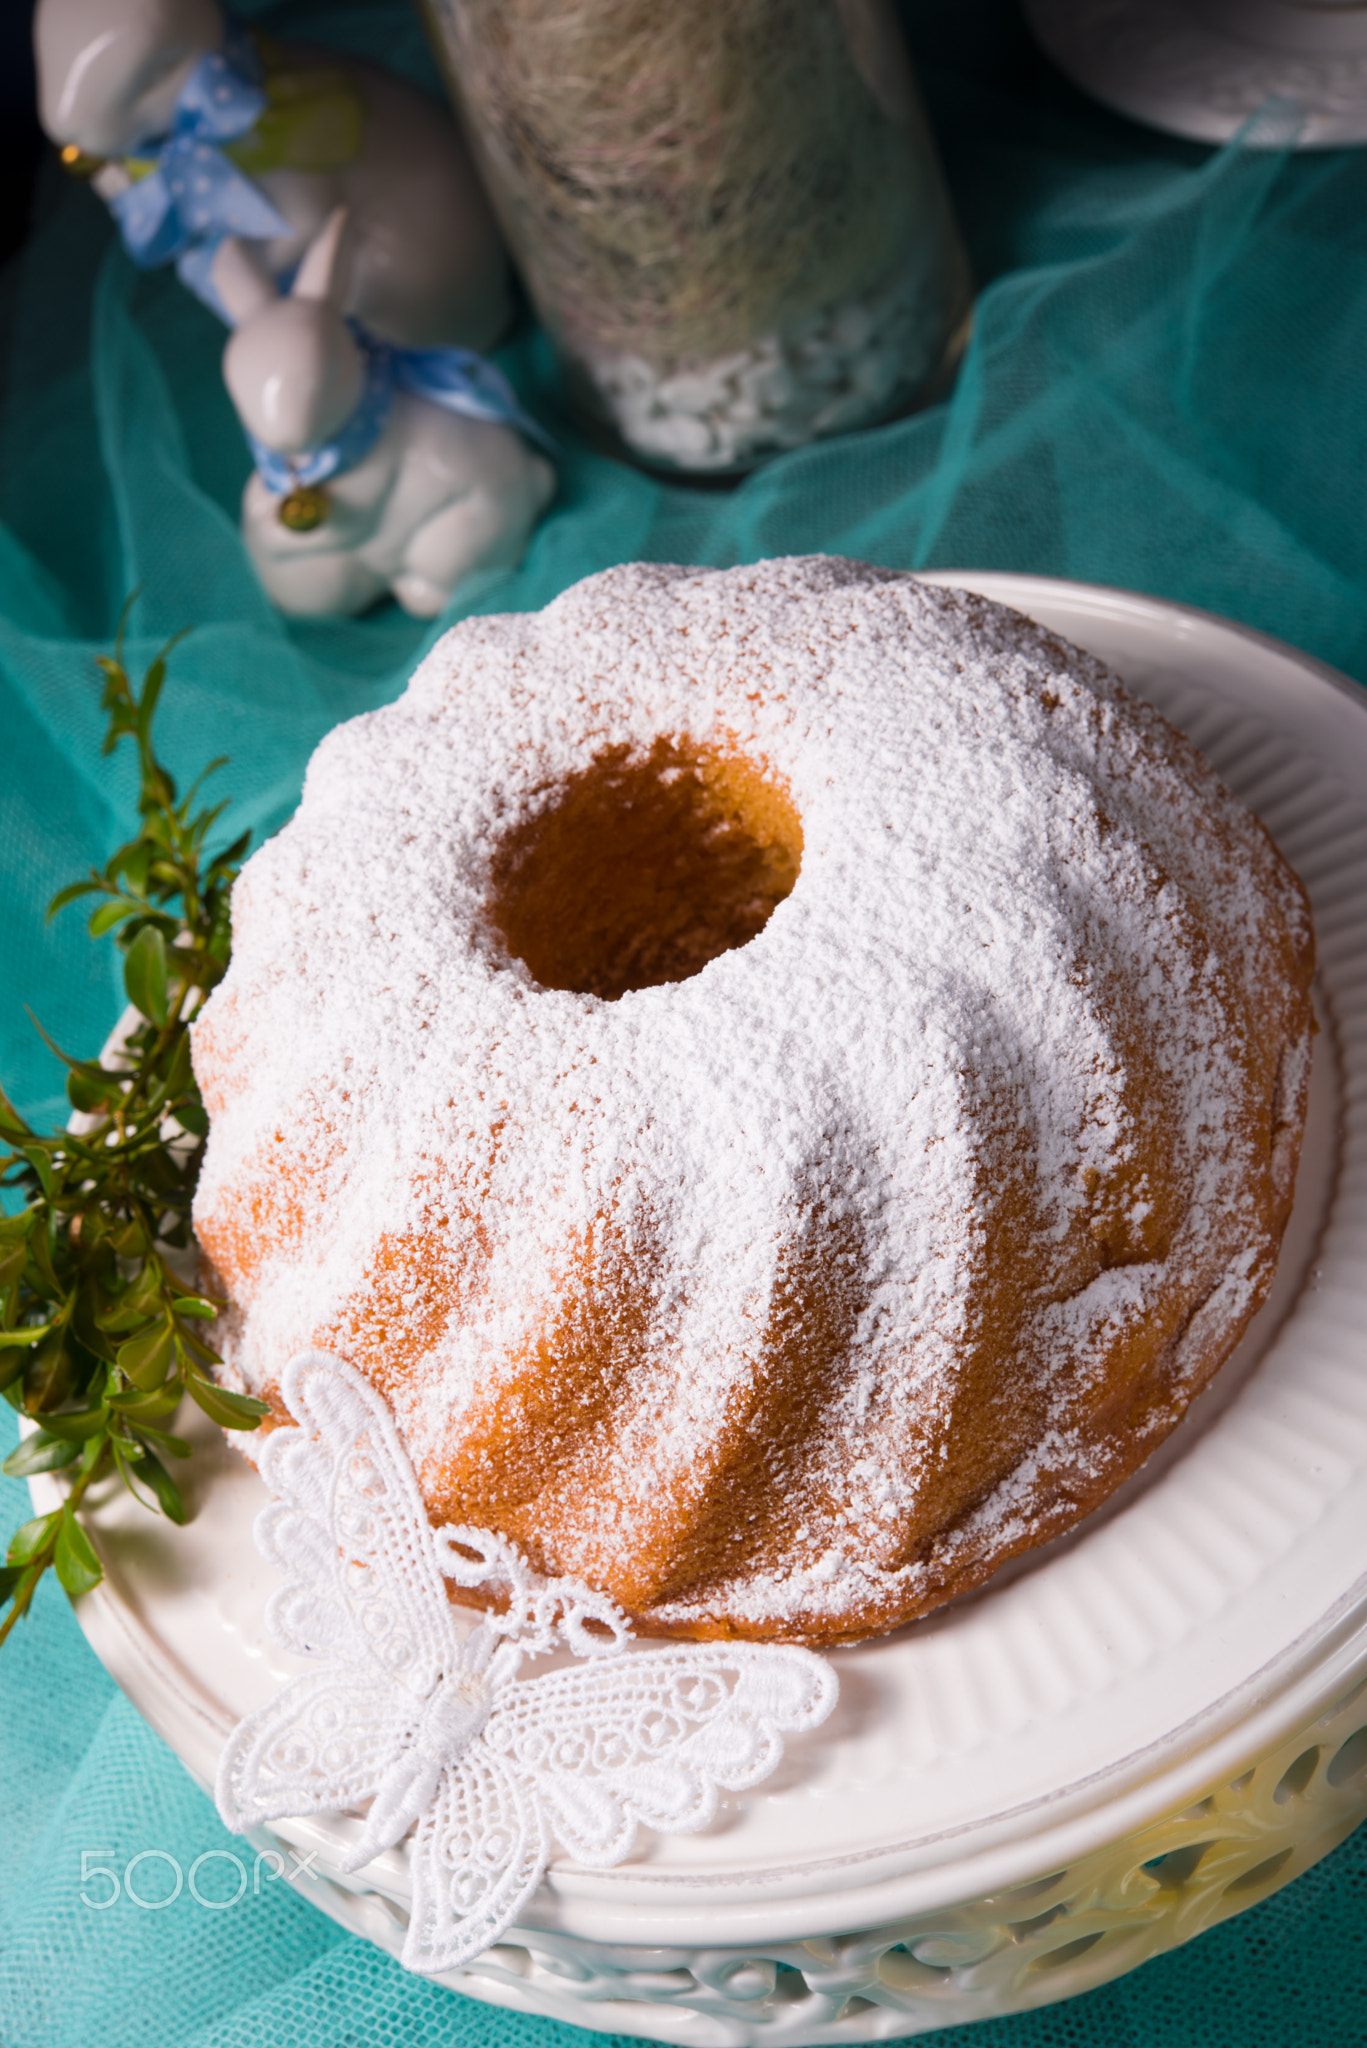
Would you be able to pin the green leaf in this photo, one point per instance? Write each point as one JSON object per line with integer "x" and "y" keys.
{"x": 93, "y": 1452}
{"x": 194, "y": 1305}
{"x": 221, "y": 1405}
{"x": 132, "y": 862}
{"x": 71, "y": 894}
{"x": 75, "y": 1425}
{"x": 118, "y": 690}
{"x": 173, "y": 1446}
{"x": 114, "y": 668}
{"x": 194, "y": 1118}
{"x": 41, "y": 1254}
{"x": 206, "y": 818}
{"x": 168, "y": 1494}
{"x": 137, "y": 1302}
{"x": 151, "y": 686}
{"x": 91, "y": 1091}
{"x": 145, "y": 977}
{"x": 195, "y": 1351}
{"x": 111, "y": 914}
{"x": 132, "y": 1308}
{"x": 179, "y": 1072}
{"x": 38, "y": 1159}
{"x": 129, "y": 1240}
{"x": 160, "y": 1172}
{"x": 10, "y": 1575}
{"x": 140, "y": 1408}
{"x": 47, "y": 1374}
{"x": 12, "y": 1126}
{"x": 13, "y": 1259}
{"x": 33, "y": 1537}
{"x": 147, "y": 1358}
{"x": 158, "y": 797}
{"x": 33, "y": 1333}
{"x": 84, "y": 1328}
{"x": 124, "y": 1317}
{"x": 39, "y": 1453}
{"x": 50, "y": 1042}
{"x": 78, "y": 1568}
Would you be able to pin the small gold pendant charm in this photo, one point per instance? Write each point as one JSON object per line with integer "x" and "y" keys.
{"x": 77, "y": 164}
{"x": 303, "y": 508}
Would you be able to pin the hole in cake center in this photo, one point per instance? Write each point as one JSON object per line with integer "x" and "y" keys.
{"x": 644, "y": 867}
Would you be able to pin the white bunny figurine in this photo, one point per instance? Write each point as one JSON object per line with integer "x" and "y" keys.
{"x": 376, "y": 469}
{"x": 195, "y": 128}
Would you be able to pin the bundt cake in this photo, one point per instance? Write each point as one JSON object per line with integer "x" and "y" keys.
{"x": 789, "y": 1081}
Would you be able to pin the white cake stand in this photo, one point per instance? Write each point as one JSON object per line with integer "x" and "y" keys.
{"x": 1202, "y": 68}
{"x": 1142, "y": 1729}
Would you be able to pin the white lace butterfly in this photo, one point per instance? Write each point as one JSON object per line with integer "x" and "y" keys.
{"x": 425, "y": 1718}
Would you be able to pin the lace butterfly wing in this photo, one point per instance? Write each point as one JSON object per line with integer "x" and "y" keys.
{"x": 349, "y": 1533}
{"x": 479, "y": 1854}
{"x": 316, "y": 1747}
{"x": 649, "y": 1738}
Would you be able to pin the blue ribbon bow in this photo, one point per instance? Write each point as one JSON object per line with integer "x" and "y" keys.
{"x": 456, "y": 379}
{"x": 195, "y": 195}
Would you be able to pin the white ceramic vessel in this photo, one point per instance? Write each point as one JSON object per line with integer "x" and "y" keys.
{"x": 1204, "y": 67}
{"x": 1141, "y": 1729}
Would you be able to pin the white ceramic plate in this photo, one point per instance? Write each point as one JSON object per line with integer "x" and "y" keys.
{"x": 1178, "y": 65}
{"x": 1180, "y": 1633}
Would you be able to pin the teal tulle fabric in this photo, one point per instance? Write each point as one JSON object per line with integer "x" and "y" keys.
{"x": 1166, "y": 389}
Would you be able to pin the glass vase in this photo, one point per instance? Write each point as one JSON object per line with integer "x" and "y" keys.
{"x": 729, "y": 215}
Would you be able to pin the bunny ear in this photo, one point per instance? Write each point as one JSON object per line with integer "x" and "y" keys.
{"x": 322, "y": 272}
{"x": 243, "y": 283}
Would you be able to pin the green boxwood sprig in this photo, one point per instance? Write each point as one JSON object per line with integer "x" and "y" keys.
{"x": 100, "y": 1337}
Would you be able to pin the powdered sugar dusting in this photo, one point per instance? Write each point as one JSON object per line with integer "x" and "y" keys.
{"x": 790, "y": 1297}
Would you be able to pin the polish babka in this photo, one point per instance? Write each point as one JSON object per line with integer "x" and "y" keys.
{"x": 789, "y": 1081}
